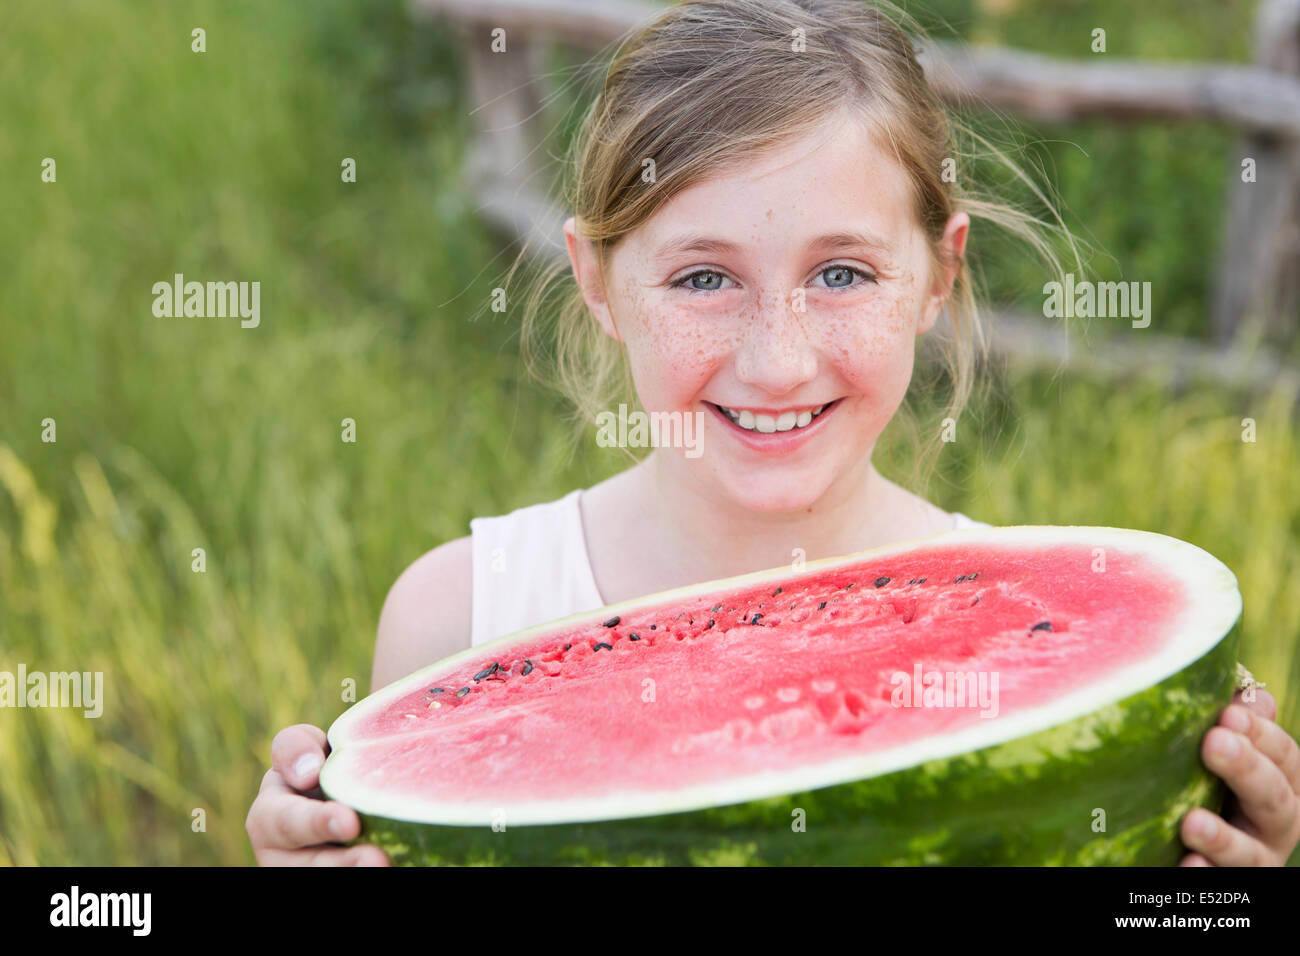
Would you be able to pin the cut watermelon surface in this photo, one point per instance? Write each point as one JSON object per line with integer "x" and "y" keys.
{"x": 894, "y": 706}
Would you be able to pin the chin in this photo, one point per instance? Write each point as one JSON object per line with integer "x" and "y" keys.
{"x": 782, "y": 494}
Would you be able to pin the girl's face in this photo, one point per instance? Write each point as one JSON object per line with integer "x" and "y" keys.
{"x": 782, "y": 301}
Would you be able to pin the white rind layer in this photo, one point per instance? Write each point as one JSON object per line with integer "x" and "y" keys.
{"x": 1213, "y": 604}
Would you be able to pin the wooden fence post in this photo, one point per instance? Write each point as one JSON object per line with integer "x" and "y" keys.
{"x": 1259, "y": 268}
{"x": 506, "y": 90}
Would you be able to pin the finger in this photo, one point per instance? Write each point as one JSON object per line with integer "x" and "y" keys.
{"x": 297, "y": 752}
{"x": 1222, "y": 845}
{"x": 1263, "y": 793}
{"x": 272, "y": 783}
{"x": 286, "y": 820}
{"x": 1194, "y": 859}
{"x": 1269, "y": 739}
{"x": 362, "y": 855}
{"x": 1264, "y": 703}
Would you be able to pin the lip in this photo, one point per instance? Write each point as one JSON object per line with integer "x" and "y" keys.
{"x": 776, "y": 412}
{"x": 775, "y": 443}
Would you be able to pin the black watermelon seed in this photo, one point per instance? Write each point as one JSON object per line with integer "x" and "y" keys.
{"x": 715, "y": 609}
{"x": 691, "y": 621}
{"x": 959, "y": 579}
{"x": 711, "y": 622}
{"x": 462, "y": 692}
{"x": 777, "y": 591}
{"x": 487, "y": 671}
{"x": 567, "y": 646}
{"x": 881, "y": 582}
{"x": 822, "y": 606}
{"x": 653, "y": 626}
{"x": 436, "y": 690}
{"x": 634, "y": 637}
{"x": 528, "y": 667}
{"x": 972, "y": 577}
{"x": 602, "y": 644}
{"x": 612, "y": 621}
{"x": 755, "y": 618}
{"x": 1042, "y": 626}
{"x": 921, "y": 580}
{"x": 849, "y": 585}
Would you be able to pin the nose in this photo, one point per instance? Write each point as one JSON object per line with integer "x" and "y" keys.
{"x": 776, "y": 355}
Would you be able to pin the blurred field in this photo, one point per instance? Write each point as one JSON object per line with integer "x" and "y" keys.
{"x": 175, "y": 434}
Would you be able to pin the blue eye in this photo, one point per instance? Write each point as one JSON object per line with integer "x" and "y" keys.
{"x": 699, "y": 272}
{"x": 847, "y": 269}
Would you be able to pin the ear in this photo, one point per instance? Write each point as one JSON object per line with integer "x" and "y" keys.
{"x": 953, "y": 249}
{"x": 586, "y": 270}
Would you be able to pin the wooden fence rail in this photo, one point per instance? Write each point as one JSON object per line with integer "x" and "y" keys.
{"x": 1259, "y": 270}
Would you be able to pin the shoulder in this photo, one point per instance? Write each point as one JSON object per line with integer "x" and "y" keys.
{"x": 426, "y": 615}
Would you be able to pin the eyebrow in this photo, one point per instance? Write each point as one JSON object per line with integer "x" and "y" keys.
{"x": 829, "y": 242}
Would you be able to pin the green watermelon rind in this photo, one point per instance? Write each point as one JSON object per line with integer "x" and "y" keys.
{"x": 1106, "y": 788}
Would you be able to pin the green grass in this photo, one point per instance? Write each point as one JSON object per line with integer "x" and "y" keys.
{"x": 192, "y": 433}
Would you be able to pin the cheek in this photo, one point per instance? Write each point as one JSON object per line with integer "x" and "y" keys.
{"x": 871, "y": 344}
{"x": 673, "y": 350}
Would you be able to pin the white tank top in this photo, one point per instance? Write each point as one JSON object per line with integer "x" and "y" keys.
{"x": 531, "y": 566}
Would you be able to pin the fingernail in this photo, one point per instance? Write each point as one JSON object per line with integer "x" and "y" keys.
{"x": 305, "y": 767}
{"x": 1208, "y": 827}
{"x": 1226, "y": 744}
{"x": 335, "y": 828}
{"x": 1237, "y": 718}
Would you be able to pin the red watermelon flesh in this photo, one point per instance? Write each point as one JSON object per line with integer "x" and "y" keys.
{"x": 805, "y": 669}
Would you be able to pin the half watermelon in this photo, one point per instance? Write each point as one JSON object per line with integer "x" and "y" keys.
{"x": 1023, "y": 695}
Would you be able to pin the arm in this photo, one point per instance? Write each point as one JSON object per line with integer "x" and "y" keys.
{"x": 426, "y": 616}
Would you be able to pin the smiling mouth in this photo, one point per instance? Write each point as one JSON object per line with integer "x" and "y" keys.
{"x": 790, "y": 420}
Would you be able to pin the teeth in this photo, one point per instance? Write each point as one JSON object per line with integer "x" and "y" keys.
{"x": 768, "y": 423}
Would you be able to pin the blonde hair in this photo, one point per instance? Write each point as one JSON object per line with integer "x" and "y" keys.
{"x": 706, "y": 86}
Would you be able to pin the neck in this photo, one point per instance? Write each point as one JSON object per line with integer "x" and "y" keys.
{"x": 718, "y": 537}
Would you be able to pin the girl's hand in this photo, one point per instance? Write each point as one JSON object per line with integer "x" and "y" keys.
{"x": 289, "y": 824}
{"x": 1261, "y": 764}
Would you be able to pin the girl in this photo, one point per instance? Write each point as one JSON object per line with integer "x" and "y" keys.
{"x": 762, "y": 232}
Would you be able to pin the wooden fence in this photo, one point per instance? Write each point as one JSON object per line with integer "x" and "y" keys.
{"x": 1258, "y": 272}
